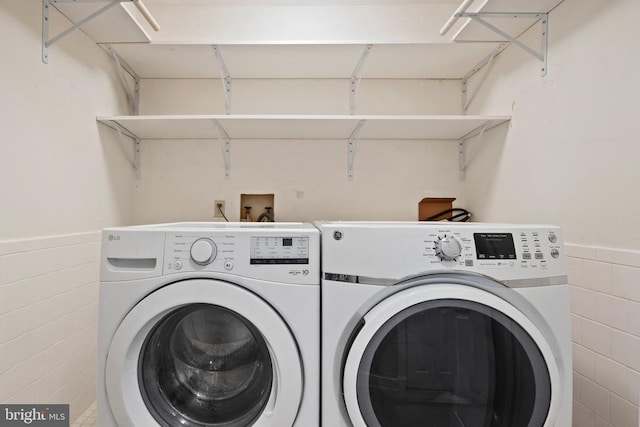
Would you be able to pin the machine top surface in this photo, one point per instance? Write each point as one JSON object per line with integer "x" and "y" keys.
{"x": 231, "y": 226}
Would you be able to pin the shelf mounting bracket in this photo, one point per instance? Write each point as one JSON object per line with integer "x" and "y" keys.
{"x": 132, "y": 95}
{"x": 47, "y": 42}
{"x": 46, "y": 9}
{"x": 488, "y": 62}
{"x": 351, "y": 148}
{"x": 225, "y": 142}
{"x": 226, "y": 78}
{"x": 135, "y": 160}
{"x": 356, "y": 76}
{"x": 462, "y": 157}
{"x": 543, "y": 17}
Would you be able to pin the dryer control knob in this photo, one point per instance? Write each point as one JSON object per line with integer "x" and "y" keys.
{"x": 203, "y": 251}
{"x": 448, "y": 248}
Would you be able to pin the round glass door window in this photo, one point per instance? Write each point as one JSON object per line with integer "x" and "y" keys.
{"x": 203, "y": 365}
{"x": 452, "y": 363}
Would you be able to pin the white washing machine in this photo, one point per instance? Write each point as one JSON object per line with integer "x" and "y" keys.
{"x": 209, "y": 324}
{"x": 444, "y": 324}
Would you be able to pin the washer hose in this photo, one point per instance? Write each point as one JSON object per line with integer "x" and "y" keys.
{"x": 458, "y": 215}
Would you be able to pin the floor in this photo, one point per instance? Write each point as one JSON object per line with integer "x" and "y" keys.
{"x": 87, "y": 418}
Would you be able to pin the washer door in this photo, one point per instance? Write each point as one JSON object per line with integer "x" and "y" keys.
{"x": 203, "y": 353}
{"x": 449, "y": 355}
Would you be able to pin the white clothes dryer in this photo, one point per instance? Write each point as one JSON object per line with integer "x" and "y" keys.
{"x": 444, "y": 324}
{"x": 209, "y": 324}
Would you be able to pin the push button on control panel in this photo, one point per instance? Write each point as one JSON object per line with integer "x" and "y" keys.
{"x": 177, "y": 265}
{"x": 555, "y": 253}
{"x": 228, "y": 265}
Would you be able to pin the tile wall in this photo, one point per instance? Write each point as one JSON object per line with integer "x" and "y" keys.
{"x": 605, "y": 307}
{"x": 48, "y": 314}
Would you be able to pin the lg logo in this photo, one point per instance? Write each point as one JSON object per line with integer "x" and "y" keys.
{"x": 112, "y": 237}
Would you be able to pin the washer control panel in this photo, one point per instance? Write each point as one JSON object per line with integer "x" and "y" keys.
{"x": 279, "y": 250}
{"x": 286, "y": 256}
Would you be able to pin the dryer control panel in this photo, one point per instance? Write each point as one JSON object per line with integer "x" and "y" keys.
{"x": 493, "y": 248}
{"x": 396, "y": 250}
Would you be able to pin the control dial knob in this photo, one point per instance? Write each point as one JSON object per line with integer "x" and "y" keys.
{"x": 203, "y": 251}
{"x": 448, "y": 248}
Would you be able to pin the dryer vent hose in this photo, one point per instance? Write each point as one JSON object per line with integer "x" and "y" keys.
{"x": 455, "y": 214}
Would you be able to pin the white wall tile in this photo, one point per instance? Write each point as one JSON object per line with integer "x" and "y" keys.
{"x": 576, "y": 385}
{"x": 626, "y": 282}
{"x": 580, "y": 251}
{"x": 38, "y": 243}
{"x": 12, "y": 382}
{"x": 618, "y": 256}
{"x": 625, "y": 348}
{"x": 583, "y": 302}
{"x": 594, "y": 397}
{"x": 596, "y": 337}
{"x": 46, "y": 312}
{"x": 576, "y": 328}
{"x": 6, "y": 357}
{"x": 574, "y": 270}
{"x": 633, "y": 382}
{"x": 623, "y": 413}
{"x": 599, "y": 422}
{"x": 611, "y": 375}
{"x": 612, "y": 311}
{"x": 582, "y": 416}
{"x": 634, "y": 318}
{"x": 584, "y": 361}
{"x": 597, "y": 276}
{"x": 13, "y": 324}
{"x": 57, "y": 354}
{"x": 25, "y": 396}
{"x": 6, "y": 298}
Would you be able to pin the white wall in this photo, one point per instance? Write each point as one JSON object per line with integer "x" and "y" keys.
{"x": 60, "y": 172}
{"x": 62, "y": 178}
{"x": 572, "y": 158}
{"x": 182, "y": 179}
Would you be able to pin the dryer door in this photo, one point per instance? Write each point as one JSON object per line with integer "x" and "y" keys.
{"x": 203, "y": 353}
{"x": 449, "y": 355}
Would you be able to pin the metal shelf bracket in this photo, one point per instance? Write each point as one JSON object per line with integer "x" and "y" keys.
{"x": 351, "y": 148}
{"x": 467, "y": 98}
{"x": 46, "y": 9}
{"x": 355, "y": 78}
{"x": 225, "y": 142}
{"x": 226, "y": 78}
{"x": 462, "y": 156}
{"x": 543, "y": 17}
{"x": 132, "y": 95}
{"x": 135, "y": 160}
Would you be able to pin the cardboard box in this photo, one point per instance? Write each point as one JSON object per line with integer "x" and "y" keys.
{"x": 430, "y": 206}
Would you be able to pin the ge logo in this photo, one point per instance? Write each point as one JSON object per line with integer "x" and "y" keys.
{"x": 112, "y": 237}
{"x": 337, "y": 235}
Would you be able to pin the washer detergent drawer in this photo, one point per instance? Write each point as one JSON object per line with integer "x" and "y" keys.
{"x": 128, "y": 255}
